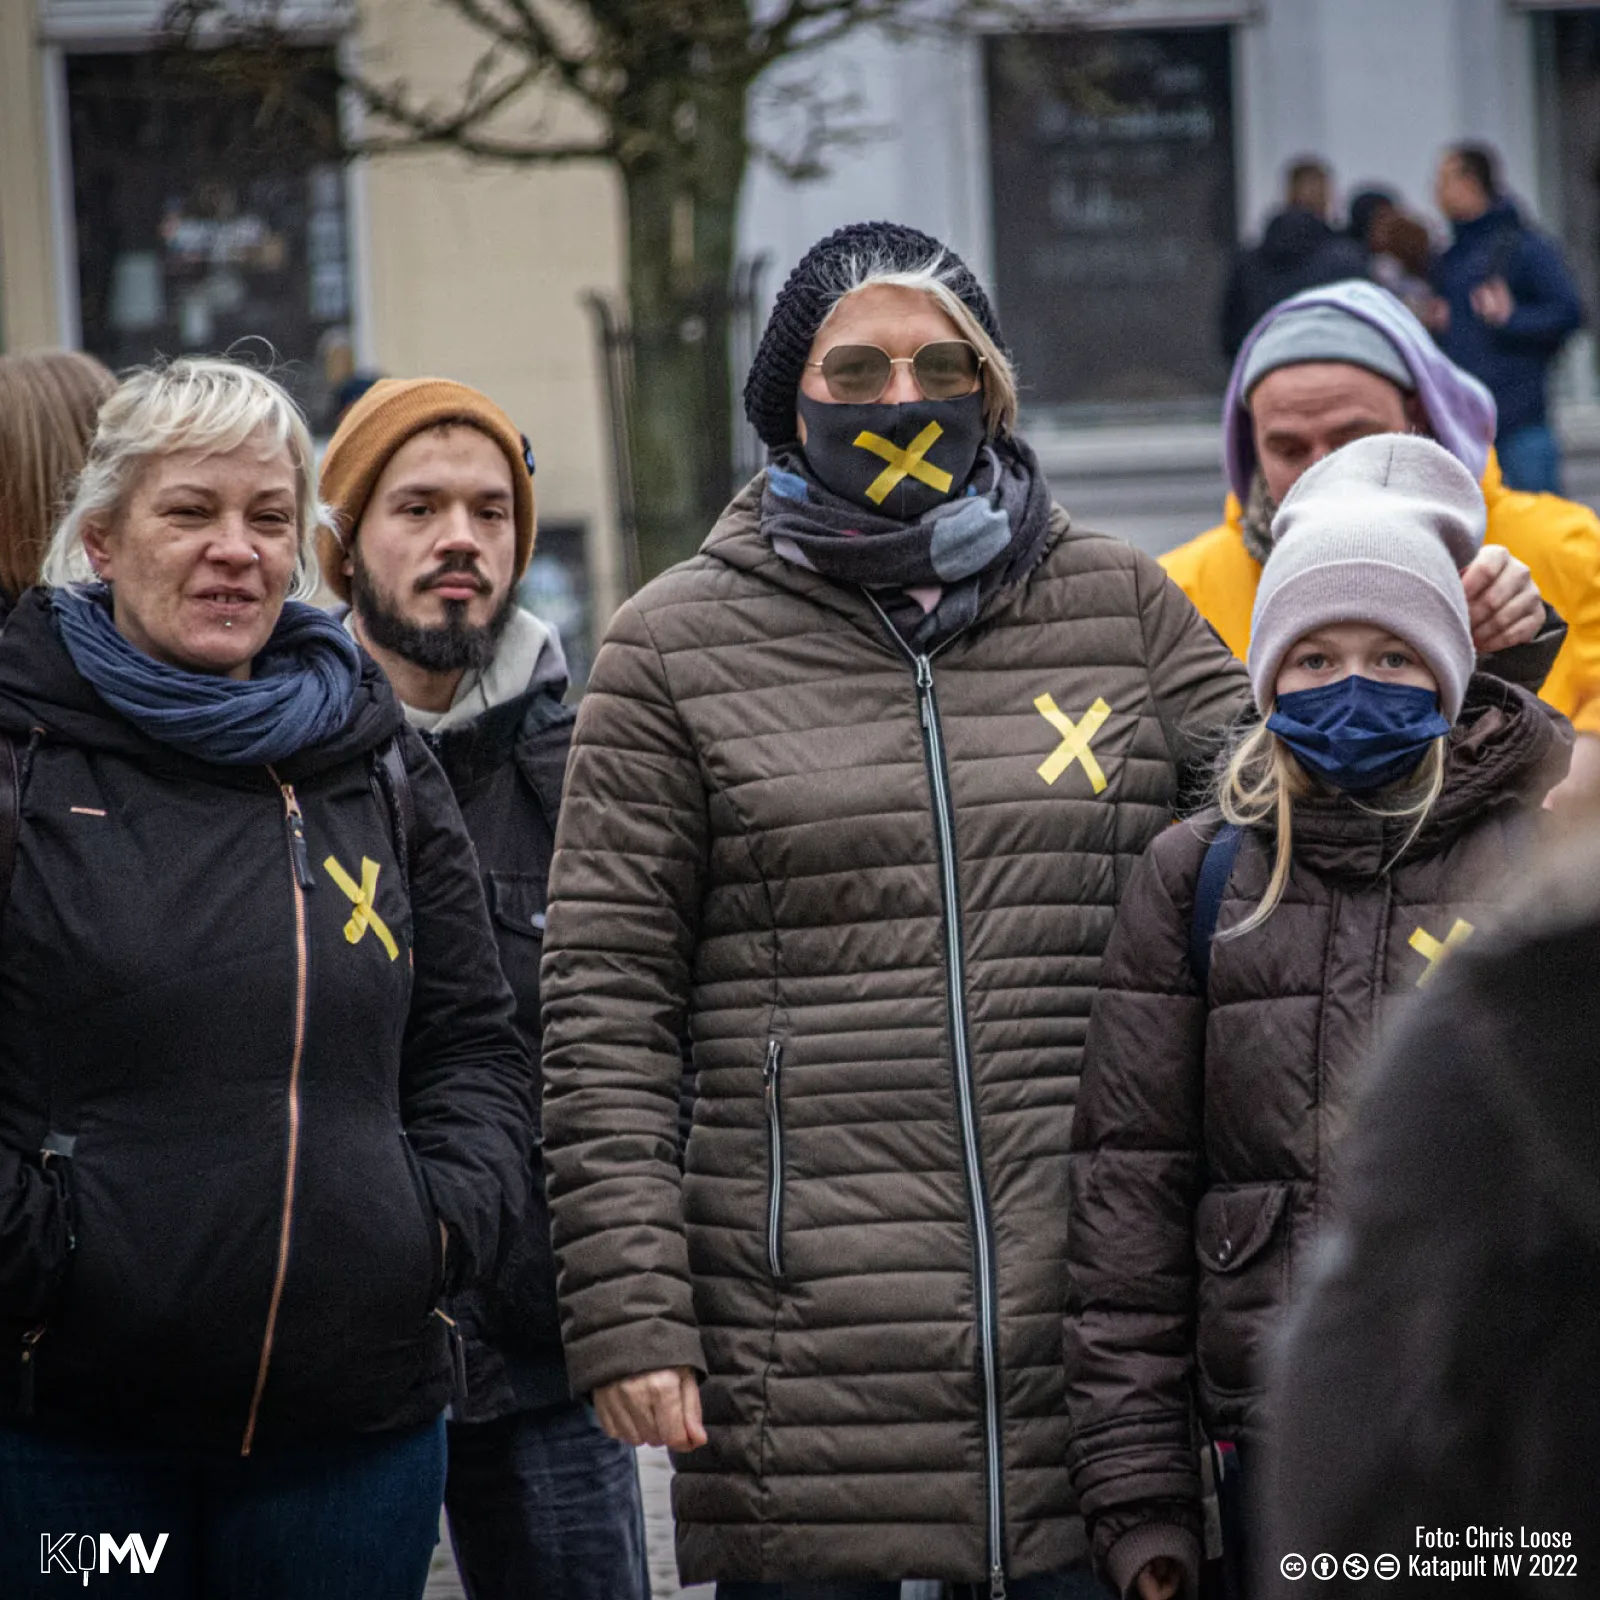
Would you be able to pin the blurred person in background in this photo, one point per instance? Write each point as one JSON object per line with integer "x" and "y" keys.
{"x": 1506, "y": 304}
{"x": 1363, "y": 831}
{"x": 1439, "y": 1370}
{"x": 1367, "y": 206}
{"x": 1402, "y": 256}
{"x": 48, "y": 403}
{"x": 262, "y": 1105}
{"x": 1299, "y": 249}
{"x": 431, "y": 490}
{"x": 1346, "y": 361}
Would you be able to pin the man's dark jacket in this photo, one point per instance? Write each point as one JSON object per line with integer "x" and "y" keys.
{"x": 1298, "y": 251}
{"x": 506, "y": 767}
{"x": 262, "y": 1091}
{"x": 1512, "y": 359}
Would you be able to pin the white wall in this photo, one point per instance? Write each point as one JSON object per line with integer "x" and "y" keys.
{"x": 1377, "y": 87}
{"x": 929, "y": 166}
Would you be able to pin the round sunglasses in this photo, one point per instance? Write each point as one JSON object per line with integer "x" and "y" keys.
{"x": 857, "y": 374}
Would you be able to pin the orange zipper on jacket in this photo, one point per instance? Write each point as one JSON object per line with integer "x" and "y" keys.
{"x": 300, "y": 878}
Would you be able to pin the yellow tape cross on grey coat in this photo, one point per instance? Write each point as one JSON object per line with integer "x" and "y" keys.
{"x": 1435, "y": 950}
{"x": 1075, "y": 740}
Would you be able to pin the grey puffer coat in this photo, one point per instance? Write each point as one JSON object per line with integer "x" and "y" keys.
{"x": 882, "y": 908}
{"x": 1210, "y": 1123}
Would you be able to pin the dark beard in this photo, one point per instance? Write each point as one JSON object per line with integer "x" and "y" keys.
{"x": 454, "y": 646}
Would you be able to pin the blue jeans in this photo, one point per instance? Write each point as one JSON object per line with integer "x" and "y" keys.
{"x": 1077, "y": 1584}
{"x": 1530, "y": 459}
{"x": 545, "y": 1503}
{"x": 344, "y": 1519}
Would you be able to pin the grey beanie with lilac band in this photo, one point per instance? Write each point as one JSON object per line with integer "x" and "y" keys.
{"x": 1377, "y": 532}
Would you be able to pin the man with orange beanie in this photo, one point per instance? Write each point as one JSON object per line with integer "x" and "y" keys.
{"x": 432, "y": 493}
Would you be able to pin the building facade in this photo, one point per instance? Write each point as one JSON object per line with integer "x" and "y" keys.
{"x": 1099, "y": 178}
{"x": 144, "y": 212}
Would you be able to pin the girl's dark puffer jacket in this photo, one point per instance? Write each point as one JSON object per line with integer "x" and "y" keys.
{"x": 1208, "y": 1124}
{"x": 260, "y": 1092}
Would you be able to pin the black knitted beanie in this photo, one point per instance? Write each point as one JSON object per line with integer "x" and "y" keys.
{"x": 809, "y": 295}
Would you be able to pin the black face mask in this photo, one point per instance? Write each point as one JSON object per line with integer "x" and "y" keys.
{"x": 900, "y": 460}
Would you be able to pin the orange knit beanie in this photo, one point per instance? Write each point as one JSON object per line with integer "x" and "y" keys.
{"x": 388, "y": 414}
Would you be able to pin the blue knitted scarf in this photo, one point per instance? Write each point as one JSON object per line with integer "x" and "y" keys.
{"x": 301, "y": 689}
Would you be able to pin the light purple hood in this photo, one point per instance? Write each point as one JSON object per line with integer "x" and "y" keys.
{"x": 1460, "y": 410}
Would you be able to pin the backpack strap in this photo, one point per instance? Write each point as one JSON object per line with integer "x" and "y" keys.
{"x": 395, "y": 782}
{"x": 1215, "y": 870}
{"x": 10, "y": 815}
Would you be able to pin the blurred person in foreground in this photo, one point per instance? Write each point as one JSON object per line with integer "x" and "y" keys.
{"x": 1506, "y": 305}
{"x": 1439, "y": 1370}
{"x": 1363, "y": 829}
{"x": 261, "y": 1101}
{"x": 48, "y": 403}
{"x": 431, "y": 490}
{"x": 1299, "y": 249}
{"x": 1345, "y": 361}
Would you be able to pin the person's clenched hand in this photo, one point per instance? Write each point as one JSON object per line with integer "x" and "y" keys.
{"x": 1503, "y": 601}
{"x": 661, "y": 1408}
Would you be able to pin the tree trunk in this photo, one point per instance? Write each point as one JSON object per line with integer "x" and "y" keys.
{"x": 682, "y": 242}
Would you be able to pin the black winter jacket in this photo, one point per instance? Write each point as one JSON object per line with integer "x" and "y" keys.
{"x": 261, "y": 1094}
{"x": 506, "y": 768}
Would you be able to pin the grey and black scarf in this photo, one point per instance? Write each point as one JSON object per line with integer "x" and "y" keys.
{"x": 932, "y": 575}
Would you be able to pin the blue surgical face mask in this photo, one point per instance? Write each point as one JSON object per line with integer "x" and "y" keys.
{"x": 1358, "y": 734}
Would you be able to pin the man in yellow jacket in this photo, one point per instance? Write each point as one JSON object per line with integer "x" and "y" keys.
{"x": 1339, "y": 363}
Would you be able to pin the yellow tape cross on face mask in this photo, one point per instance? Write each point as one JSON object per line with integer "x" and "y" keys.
{"x": 363, "y": 894}
{"x": 907, "y": 463}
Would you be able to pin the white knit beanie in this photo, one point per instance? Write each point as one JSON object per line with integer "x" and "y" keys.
{"x": 1376, "y": 532}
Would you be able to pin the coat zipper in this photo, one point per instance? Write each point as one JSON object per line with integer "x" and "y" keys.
{"x": 955, "y": 970}
{"x": 769, "y": 1078}
{"x": 295, "y": 823}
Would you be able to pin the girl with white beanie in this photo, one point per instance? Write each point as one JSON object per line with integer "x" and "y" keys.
{"x": 1361, "y": 830}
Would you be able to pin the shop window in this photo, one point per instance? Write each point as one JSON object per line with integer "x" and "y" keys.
{"x": 1114, "y": 213}
{"x": 209, "y": 219}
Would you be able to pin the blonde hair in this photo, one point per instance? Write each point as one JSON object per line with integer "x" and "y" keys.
{"x": 934, "y": 278}
{"x": 1260, "y": 782}
{"x": 48, "y": 403}
{"x": 205, "y": 404}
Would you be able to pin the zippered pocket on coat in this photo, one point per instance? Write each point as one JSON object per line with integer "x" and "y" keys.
{"x": 773, "y": 1093}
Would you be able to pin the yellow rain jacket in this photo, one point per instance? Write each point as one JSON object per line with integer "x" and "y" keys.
{"x": 1558, "y": 539}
